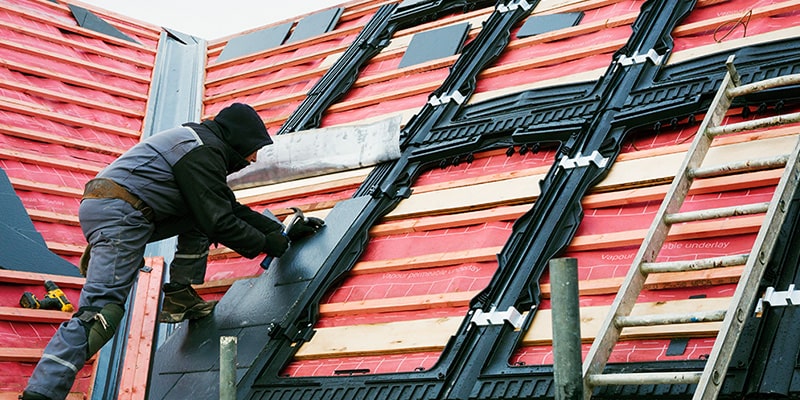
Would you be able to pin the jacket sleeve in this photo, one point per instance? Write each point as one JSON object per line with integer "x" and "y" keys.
{"x": 257, "y": 220}
{"x": 200, "y": 176}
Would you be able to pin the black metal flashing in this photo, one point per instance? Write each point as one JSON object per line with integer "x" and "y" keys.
{"x": 87, "y": 19}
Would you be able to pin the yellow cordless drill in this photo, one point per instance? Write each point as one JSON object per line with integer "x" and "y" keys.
{"x": 55, "y": 299}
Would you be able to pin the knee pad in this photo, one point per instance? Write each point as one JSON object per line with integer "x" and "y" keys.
{"x": 100, "y": 325}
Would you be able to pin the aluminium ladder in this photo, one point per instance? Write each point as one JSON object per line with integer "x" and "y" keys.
{"x": 710, "y": 379}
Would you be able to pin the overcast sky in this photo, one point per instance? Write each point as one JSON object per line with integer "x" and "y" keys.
{"x": 213, "y": 19}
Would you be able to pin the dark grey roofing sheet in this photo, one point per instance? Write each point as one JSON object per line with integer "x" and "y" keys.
{"x": 22, "y": 248}
{"x": 87, "y": 19}
{"x": 538, "y": 24}
{"x": 254, "y": 42}
{"x": 315, "y": 24}
{"x": 435, "y": 44}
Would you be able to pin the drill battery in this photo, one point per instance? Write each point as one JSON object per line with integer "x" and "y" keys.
{"x": 55, "y": 299}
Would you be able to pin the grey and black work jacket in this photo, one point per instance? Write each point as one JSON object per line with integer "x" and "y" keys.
{"x": 181, "y": 173}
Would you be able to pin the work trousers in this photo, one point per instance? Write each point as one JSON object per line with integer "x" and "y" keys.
{"x": 118, "y": 234}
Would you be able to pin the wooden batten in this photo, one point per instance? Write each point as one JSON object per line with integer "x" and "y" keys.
{"x": 37, "y": 111}
{"x": 144, "y": 313}
{"x": 59, "y": 140}
{"x": 432, "y": 334}
{"x": 74, "y": 44}
{"x": 72, "y": 27}
{"x": 71, "y": 80}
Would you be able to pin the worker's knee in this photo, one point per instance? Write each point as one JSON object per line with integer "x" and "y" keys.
{"x": 100, "y": 325}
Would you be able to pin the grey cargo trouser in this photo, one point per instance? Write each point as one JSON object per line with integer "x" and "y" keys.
{"x": 118, "y": 234}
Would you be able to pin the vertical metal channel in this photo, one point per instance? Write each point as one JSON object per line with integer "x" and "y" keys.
{"x": 175, "y": 97}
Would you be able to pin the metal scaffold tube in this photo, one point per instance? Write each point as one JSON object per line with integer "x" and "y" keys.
{"x": 566, "y": 329}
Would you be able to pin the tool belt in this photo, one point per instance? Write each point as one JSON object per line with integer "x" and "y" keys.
{"x": 102, "y": 188}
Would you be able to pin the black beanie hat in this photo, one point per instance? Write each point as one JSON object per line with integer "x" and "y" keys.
{"x": 242, "y": 128}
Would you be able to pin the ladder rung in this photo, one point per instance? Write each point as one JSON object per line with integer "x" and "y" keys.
{"x": 722, "y": 212}
{"x": 694, "y": 265}
{"x": 754, "y": 124}
{"x": 630, "y": 321}
{"x": 763, "y": 85}
{"x": 738, "y": 167}
{"x": 644, "y": 378}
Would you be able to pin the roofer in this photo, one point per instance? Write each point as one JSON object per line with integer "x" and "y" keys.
{"x": 173, "y": 183}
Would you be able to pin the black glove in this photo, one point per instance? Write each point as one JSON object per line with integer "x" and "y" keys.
{"x": 276, "y": 244}
{"x": 304, "y": 227}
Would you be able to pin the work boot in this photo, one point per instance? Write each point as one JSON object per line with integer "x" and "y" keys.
{"x": 182, "y": 302}
{"x": 26, "y": 395}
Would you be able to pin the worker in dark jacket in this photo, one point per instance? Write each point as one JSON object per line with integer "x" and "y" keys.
{"x": 173, "y": 183}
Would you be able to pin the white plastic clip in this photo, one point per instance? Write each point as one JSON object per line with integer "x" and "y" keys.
{"x": 514, "y": 5}
{"x": 495, "y": 317}
{"x": 789, "y": 297}
{"x": 640, "y": 58}
{"x": 455, "y": 96}
{"x": 583, "y": 161}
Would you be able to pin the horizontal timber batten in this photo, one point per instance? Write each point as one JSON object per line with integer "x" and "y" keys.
{"x": 433, "y": 334}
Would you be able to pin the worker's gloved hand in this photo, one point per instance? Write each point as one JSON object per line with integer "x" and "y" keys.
{"x": 276, "y": 244}
{"x": 304, "y": 227}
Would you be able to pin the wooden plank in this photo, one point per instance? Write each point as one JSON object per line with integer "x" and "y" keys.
{"x": 591, "y": 201}
{"x": 80, "y": 82}
{"x": 48, "y": 20}
{"x": 398, "y": 304}
{"x": 624, "y": 174}
{"x": 541, "y": 330}
{"x": 672, "y": 280}
{"x": 65, "y": 249}
{"x": 718, "y": 276}
{"x": 40, "y": 187}
{"x": 306, "y": 186}
{"x": 38, "y": 159}
{"x": 732, "y": 44}
{"x": 136, "y": 367}
{"x": 54, "y": 218}
{"x": 74, "y": 44}
{"x": 30, "y": 315}
{"x": 485, "y": 254}
{"x": 382, "y": 338}
{"x": 432, "y": 334}
{"x": 15, "y": 396}
{"x": 697, "y": 230}
{"x": 758, "y": 12}
{"x": 65, "y": 141}
{"x": 703, "y": 229}
{"x": 34, "y": 278}
{"x": 19, "y": 354}
{"x": 36, "y": 111}
{"x": 428, "y": 223}
{"x": 48, "y": 57}
{"x": 70, "y": 99}
{"x": 509, "y": 192}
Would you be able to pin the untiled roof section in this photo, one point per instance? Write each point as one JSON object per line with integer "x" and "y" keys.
{"x": 72, "y": 99}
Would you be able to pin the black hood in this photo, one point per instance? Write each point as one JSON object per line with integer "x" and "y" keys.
{"x": 240, "y": 127}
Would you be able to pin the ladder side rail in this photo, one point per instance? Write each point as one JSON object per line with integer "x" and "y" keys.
{"x": 754, "y": 87}
{"x": 741, "y": 306}
{"x": 609, "y": 332}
